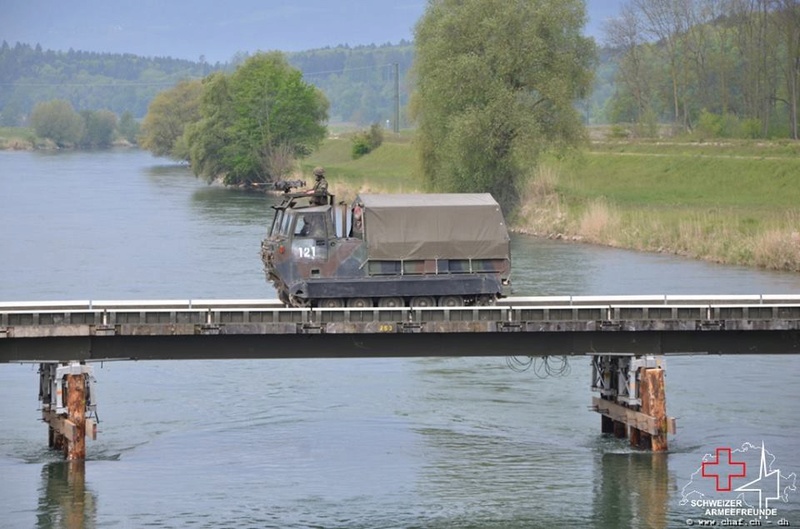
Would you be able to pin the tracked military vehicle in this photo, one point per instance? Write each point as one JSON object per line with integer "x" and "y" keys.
{"x": 388, "y": 250}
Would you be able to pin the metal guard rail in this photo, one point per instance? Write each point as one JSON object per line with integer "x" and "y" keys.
{"x": 544, "y": 313}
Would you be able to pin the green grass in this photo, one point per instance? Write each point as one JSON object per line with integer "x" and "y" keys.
{"x": 663, "y": 180}
{"x": 699, "y": 200}
{"x": 17, "y": 138}
{"x": 389, "y": 168}
{"x": 717, "y": 148}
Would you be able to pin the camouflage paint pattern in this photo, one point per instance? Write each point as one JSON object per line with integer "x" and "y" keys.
{"x": 307, "y": 262}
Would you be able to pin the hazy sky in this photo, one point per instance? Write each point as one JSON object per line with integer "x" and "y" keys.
{"x": 218, "y": 29}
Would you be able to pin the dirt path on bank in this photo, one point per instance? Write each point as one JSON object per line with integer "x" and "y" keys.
{"x": 688, "y": 155}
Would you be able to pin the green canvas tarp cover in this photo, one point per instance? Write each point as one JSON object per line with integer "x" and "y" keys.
{"x": 434, "y": 226}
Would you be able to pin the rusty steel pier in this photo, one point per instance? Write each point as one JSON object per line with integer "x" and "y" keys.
{"x": 625, "y": 336}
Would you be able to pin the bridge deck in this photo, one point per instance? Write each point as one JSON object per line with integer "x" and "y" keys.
{"x": 183, "y": 329}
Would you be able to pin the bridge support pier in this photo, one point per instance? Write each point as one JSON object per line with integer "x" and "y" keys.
{"x": 68, "y": 406}
{"x": 632, "y": 400}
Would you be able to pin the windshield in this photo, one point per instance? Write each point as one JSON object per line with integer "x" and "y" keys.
{"x": 310, "y": 225}
{"x": 276, "y": 223}
{"x": 285, "y": 223}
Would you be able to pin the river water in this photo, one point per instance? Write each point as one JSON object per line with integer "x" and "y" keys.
{"x": 453, "y": 442}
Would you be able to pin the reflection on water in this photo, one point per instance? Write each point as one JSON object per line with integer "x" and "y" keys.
{"x": 233, "y": 207}
{"x": 632, "y": 490}
{"x": 167, "y": 169}
{"x": 64, "y": 500}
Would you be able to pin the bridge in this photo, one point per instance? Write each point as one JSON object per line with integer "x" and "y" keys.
{"x": 626, "y": 337}
{"x": 528, "y": 326}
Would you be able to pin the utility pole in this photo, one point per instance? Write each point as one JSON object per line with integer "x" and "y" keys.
{"x": 396, "y": 97}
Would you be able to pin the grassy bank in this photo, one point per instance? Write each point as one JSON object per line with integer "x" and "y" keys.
{"x": 17, "y": 139}
{"x": 728, "y": 202}
{"x": 388, "y": 169}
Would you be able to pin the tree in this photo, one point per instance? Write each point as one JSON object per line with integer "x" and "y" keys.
{"x": 496, "y": 85}
{"x": 730, "y": 66}
{"x": 99, "y": 127}
{"x": 789, "y": 25}
{"x": 167, "y": 117}
{"x": 128, "y": 128}
{"x": 625, "y": 34}
{"x": 208, "y": 139}
{"x": 251, "y": 119}
{"x": 58, "y": 121}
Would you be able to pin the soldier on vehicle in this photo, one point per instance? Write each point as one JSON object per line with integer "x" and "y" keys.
{"x": 320, "y": 191}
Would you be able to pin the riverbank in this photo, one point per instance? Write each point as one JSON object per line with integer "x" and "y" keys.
{"x": 24, "y": 139}
{"x": 20, "y": 139}
{"x": 732, "y": 202}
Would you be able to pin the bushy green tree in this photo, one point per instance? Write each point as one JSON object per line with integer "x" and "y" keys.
{"x": 366, "y": 141}
{"x": 99, "y": 128}
{"x": 167, "y": 116}
{"x": 128, "y": 128}
{"x": 57, "y": 120}
{"x": 208, "y": 139}
{"x": 251, "y": 119}
{"x": 496, "y": 84}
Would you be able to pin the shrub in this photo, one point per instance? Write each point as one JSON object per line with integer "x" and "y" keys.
{"x": 751, "y": 128}
{"x": 57, "y": 121}
{"x": 618, "y": 131}
{"x": 366, "y": 141}
{"x": 709, "y": 125}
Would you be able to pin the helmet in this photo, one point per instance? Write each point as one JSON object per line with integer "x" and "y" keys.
{"x": 319, "y": 171}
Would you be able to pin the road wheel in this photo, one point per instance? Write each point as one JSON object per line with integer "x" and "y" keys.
{"x": 359, "y": 303}
{"x": 331, "y": 303}
{"x": 451, "y": 301}
{"x": 423, "y": 301}
{"x": 391, "y": 302}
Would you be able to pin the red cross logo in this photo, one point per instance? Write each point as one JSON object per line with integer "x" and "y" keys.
{"x": 724, "y": 468}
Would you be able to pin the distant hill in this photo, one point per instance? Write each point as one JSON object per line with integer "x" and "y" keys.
{"x": 218, "y": 30}
{"x": 358, "y": 81}
{"x": 93, "y": 81}
{"x": 208, "y": 28}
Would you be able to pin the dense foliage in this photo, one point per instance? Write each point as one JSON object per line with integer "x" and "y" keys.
{"x": 360, "y": 82}
{"x": 496, "y": 84}
{"x": 721, "y": 68}
{"x": 246, "y": 127}
{"x": 716, "y": 68}
{"x": 58, "y": 122}
{"x": 366, "y": 141}
{"x": 117, "y": 82}
{"x": 167, "y": 117}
